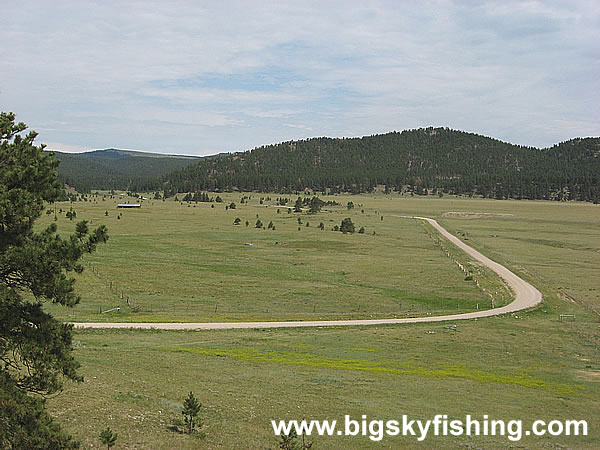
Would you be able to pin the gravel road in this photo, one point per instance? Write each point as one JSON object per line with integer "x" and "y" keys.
{"x": 526, "y": 296}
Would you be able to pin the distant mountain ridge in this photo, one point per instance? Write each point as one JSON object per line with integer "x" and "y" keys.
{"x": 115, "y": 153}
{"x": 116, "y": 169}
{"x": 424, "y": 161}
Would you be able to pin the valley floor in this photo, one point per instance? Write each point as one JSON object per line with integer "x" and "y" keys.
{"x": 527, "y": 365}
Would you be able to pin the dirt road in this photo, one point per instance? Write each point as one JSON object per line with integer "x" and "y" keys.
{"x": 526, "y": 296}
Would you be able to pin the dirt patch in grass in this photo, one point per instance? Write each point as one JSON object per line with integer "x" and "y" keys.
{"x": 589, "y": 375}
{"x": 473, "y": 215}
{"x": 565, "y": 297}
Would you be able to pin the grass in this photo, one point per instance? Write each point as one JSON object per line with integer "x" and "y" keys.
{"x": 182, "y": 262}
{"x": 519, "y": 366}
{"x": 506, "y": 367}
{"x": 561, "y": 255}
{"x": 448, "y": 370}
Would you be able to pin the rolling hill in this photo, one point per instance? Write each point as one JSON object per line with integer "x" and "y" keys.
{"x": 425, "y": 161}
{"x": 116, "y": 169}
{"x": 421, "y": 161}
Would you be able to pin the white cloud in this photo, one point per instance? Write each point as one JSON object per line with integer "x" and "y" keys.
{"x": 301, "y": 127}
{"x": 226, "y": 76}
{"x": 65, "y": 148}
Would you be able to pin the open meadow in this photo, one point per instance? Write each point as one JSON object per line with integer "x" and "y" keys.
{"x": 188, "y": 262}
{"x": 180, "y": 261}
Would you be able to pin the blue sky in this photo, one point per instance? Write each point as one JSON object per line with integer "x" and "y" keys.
{"x": 199, "y": 78}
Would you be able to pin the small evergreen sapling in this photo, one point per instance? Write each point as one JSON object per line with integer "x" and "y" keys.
{"x": 190, "y": 411}
{"x": 108, "y": 438}
{"x": 290, "y": 442}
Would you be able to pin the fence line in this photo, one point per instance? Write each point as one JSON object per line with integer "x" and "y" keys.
{"x": 469, "y": 275}
{"x": 118, "y": 292}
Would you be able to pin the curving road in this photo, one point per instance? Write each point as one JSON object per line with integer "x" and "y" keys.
{"x": 526, "y": 296}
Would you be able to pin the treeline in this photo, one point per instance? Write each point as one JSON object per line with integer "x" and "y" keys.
{"x": 429, "y": 161}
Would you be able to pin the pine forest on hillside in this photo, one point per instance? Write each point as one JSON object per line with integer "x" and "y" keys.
{"x": 430, "y": 161}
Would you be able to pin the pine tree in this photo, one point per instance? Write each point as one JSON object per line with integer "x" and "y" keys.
{"x": 35, "y": 348}
{"x": 190, "y": 411}
{"x": 290, "y": 441}
{"x": 298, "y": 205}
{"x": 347, "y": 226}
{"x": 108, "y": 438}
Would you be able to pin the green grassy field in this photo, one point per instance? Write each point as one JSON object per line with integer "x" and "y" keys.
{"x": 181, "y": 262}
{"x": 521, "y": 366}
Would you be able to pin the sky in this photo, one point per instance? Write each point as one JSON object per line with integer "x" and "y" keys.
{"x": 204, "y": 77}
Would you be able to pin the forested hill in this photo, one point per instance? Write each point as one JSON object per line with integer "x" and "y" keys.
{"x": 116, "y": 169}
{"x": 423, "y": 161}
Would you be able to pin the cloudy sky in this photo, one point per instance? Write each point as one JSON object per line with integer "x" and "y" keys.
{"x": 201, "y": 77}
